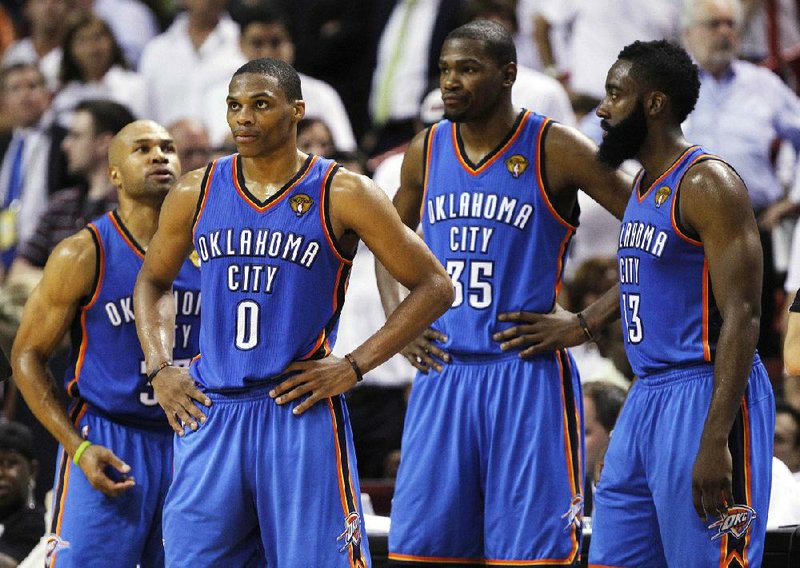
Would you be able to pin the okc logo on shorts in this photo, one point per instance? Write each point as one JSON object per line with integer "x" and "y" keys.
{"x": 735, "y": 522}
{"x": 574, "y": 514}
{"x": 352, "y": 532}
{"x": 54, "y": 544}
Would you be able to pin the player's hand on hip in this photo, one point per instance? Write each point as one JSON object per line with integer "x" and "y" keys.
{"x": 711, "y": 479}
{"x": 424, "y": 354}
{"x": 177, "y": 394}
{"x": 94, "y": 463}
{"x": 319, "y": 379}
{"x": 539, "y": 333}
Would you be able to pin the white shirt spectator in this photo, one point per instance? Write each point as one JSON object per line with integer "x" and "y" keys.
{"x": 22, "y": 51}
{"x": 784, "y": 502}
{"x": 400, "y": 78}
{"x": 538, "y": 92}
{"x": 179, "y": 77}
{"x": 118, "y": 84}
{"x": 132, "y": 23}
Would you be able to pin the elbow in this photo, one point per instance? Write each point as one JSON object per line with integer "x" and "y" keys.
{"x": 791, "y": 362}
{"x": 443, "y": 293}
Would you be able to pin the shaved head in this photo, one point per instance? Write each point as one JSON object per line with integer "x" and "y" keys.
{"x": 142, "y": 161}
{"x": 126, "y": 137}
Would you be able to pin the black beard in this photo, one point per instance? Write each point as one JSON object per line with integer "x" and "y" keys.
{"x": 624, "y": 140}
{"x": 456, "y": 117}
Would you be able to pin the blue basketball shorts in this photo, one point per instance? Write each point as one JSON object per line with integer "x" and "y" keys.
{"x": 91, "y": 529}
{"x": 491, "y": 467}
{"x": 258, "y": 486}
{"x": 643, "y": 511}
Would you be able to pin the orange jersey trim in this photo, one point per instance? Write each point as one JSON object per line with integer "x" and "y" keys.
{"x": 124, "y": 236}
{"x": 84, "y": 309}
{"x": 322, "y": 197}
{"x": 674, "y": 221}
{"x": 426, "y": 169}
{"x": 283, "y": 192}
{"x": 497, "y": 154}
{"x": 435, "y": 559}
{"x": 568, "y": 450}
{"x": 661, "y": 177}
{"x": 540, "y": 179}
{"x": 205, "y": 197}
{"x": 706, "y": 345}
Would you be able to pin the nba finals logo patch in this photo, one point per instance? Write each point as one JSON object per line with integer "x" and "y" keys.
{"x": 574, "y": 514}
{"x": 735, "y": 522}
{"x": 195, "y": 258}
{"x": 352, "y": 532}
{"x": 300, "y": 204}
{"x": 516, "y": 165}
{"x": 662, "y": 194}
{"x": 54, "y": 544}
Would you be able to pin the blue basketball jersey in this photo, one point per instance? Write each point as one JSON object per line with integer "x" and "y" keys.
{"x": 273, "y": 279}
{"x": 107, "y": 367}
{"x": 667, "y": 305}
{"x": 493, "y": 227}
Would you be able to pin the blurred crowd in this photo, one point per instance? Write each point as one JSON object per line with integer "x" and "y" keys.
{"x": 74, "y": 72}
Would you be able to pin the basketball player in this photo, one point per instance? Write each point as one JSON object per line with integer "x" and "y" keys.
{"x": 265, "y": 472}
{"x": 687, "y": 475}
{"x": 115, "y": 461}
{"x": 491, "y": 468}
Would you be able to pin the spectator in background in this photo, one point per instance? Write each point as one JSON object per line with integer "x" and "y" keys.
{"x": 741, "y": 111}
{"x": 29, "y": 156}
{"x": 599, "y": 29}
{"x": 191, "y": 142}
{"x": 93, "y": 67}
{"x": 602, "y": 402}
{"x": 407, "y": 66}
{"x": 47, "y": 22}
{"x": 132, "y": 22}
{"x": 21, "y": 520}
{"x": 265, "y": 33}
{"x": 314, "y": 137}
{"x": 532, "y": 90}
{"x": 198, "y": 51}
{"x": 787, "y": 437}
{"x": 86, "y": 145}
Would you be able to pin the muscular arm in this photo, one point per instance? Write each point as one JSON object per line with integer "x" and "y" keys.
{"x": 407, "y": 202}
{"x": 155, "y": 306}
{"x": 570, "y": 164}
{"x": 359, "y": 206}
{"x": 715, "y": 204}
{"x": 68, "y": 278}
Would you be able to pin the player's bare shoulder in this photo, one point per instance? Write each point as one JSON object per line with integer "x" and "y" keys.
{"x": 190, "y": 184}
{"x": 72, "y": 266}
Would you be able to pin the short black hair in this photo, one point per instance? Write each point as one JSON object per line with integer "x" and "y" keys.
{"x": 261, "y": 14}
{"x": 666, "y": 67}
{"x": 496, "y": 39}
{"x": 783, "y": 407}
{"x": 17, "y": 437}
{"x": 284, "y": 73}
{"x": 108, "y": 116}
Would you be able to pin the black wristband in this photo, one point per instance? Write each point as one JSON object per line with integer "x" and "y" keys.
{"x": 356, "y": 368}
{"x": 157, "y": 370}
{"x": 585, "y": 326}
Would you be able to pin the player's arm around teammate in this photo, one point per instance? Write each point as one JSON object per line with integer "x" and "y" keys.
{"x": 359, "y": 209}
{"x": 69, "y": 279}
{"x": 714, "y": 203}
{"x": 155, "y": 307}
{"x": 570, "y": 163}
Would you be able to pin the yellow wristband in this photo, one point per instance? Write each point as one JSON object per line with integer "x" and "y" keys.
{"x": 79, "y": 452}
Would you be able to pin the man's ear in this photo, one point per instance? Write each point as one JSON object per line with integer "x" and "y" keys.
{"x": 509, "y": 74}
{"x": 299, "y": 110}
{"x": 656, "y": 103}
